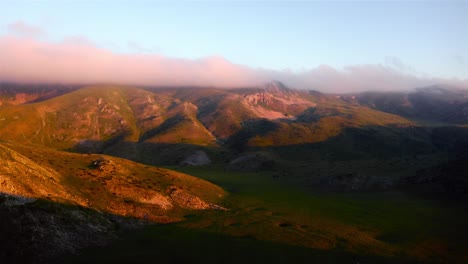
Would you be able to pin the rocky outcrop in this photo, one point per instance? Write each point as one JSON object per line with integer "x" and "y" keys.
{"x": 276, "y": 101}
{"x": 186, "y": 200}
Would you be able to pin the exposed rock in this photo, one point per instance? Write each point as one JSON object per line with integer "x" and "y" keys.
{"x": 187, "y": 200}
{"x": 104, "y": 165}
{"x": 276, "y": 101}
{"x": 158, "y": 199}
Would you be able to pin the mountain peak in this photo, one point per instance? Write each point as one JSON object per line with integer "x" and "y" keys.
{"x": 276, "y": 86}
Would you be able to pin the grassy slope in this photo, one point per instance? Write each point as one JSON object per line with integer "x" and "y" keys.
{"x": 94, "y": 118}
{"x": 323, "y": 123}
{"x": 94, "y": 113}
{"x": 119, "y": 186}
{"x": 225, "y": 116}
{"x": 182, "y": 126}
{"x": 391, "y": 223}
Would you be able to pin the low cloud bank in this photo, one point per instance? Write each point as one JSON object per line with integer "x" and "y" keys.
{"x": 27, "y": 59}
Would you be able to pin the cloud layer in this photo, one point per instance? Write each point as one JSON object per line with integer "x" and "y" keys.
{"x": 75, "y": 60}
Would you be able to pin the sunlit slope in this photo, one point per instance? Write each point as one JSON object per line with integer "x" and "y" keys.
{"x": 299, "y": 116}
{"x": 93, "y": 114}
{"x": 131, "y": 122}
{"x": 315, "y": 124}
{"x": 104, "y": 183}
{"x": 227, "y": 114}
{"x": 93, "y": 118}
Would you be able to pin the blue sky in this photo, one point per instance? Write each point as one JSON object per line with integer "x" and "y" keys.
{"x": 423, "y": 38}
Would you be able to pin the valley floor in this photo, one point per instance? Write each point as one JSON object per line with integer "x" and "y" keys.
{"x": 270, "y": 221}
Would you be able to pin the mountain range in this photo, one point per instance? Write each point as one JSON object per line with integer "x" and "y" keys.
{"x": 107, "y": 148}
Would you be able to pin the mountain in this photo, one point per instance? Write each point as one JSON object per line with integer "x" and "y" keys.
{"x": 166, "y": 126}
{"x": 82, "y": 165}
{"x": 173, "y": 126}
{"x": 434, "y": 104}
{"x": 95, "y": 118}
{"x": 92, "y": 118}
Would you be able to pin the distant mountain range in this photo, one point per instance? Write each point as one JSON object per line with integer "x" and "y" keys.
{"x": 430, "y": 105}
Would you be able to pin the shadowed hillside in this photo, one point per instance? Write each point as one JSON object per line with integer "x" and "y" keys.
{"x": 431, "y": 105}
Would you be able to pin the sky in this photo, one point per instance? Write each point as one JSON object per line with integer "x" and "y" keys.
{"x": 335, "y": 46}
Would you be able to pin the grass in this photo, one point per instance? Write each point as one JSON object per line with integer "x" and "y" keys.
{"x": 272, "y": 221}
{"x": 390, "y": 223}
{"x": 173, "y": 244}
